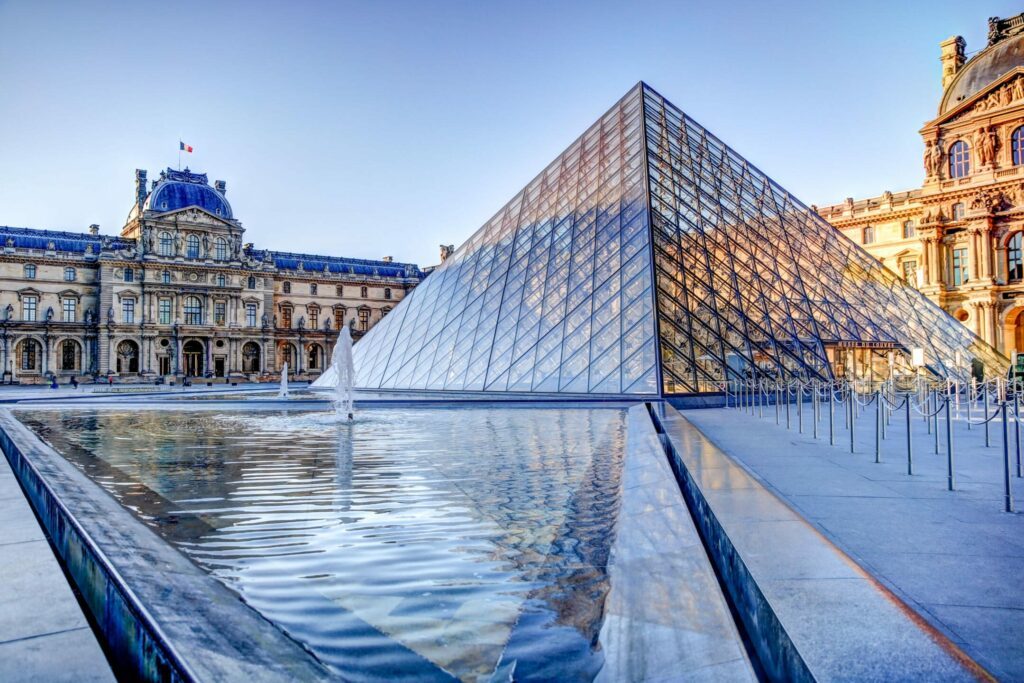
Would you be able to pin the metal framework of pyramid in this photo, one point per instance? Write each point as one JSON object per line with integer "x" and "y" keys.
{"x": 651, "y": 259}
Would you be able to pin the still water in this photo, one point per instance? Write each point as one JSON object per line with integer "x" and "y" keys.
{"x": 424, "y": 544}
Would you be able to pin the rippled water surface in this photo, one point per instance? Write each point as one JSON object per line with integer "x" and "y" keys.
{"x": 423, "y": 544}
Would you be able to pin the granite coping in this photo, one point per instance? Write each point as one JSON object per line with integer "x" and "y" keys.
{"x": 199, "y": 629}
{"x": 844, "y": 624}
{"x": 665, "y": 615}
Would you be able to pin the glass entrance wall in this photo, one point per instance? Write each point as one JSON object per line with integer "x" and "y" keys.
{"x": 751, "y": 283}
{"x": 553, "y": 294}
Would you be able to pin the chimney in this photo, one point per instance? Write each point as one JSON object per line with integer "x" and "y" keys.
{"x": 952, "y": 58}
{"x": 140, "y": 186}
{"x": 94, "y": 229}
{"x": 387, "y": 259}
{"x": 446, "y": 251}
{"x": 220, "y": 186}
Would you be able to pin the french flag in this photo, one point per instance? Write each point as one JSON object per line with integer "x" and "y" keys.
{"x": 184, "y": 148}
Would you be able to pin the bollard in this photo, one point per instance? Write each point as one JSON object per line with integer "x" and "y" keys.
{"x": 928, "y": 410}
{"x": 831, "y": 418}
{"x": 1016, "y": 424}
{"x": 878, "y": 426}
{"x": 788, "y": 422}
{"x": 949, "y": 448}
{"x": 853, "y": 416}
{"x": 777, "y": 397}
{"x": 970, "y": 401}
{"x": 910, "y": 448}
{"x": 760, "y": 400}
{"x": 935, "y": 417}
{"x": 985, "y": 404}
{"x": 1007, "y": 493}
{"x": 814, "y": 409}
{"x": 800, "y": 407}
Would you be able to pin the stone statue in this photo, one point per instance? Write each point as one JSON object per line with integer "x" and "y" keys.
{"x": 10, "y": 241}
{"x": 206, "y": 245}
{"x": 1018, "y": 88}
{"x": 150, "y": 241}
{"x": 110, "y": 314}
{"x": 88, "y": 316}
{"x": 49, "y": 314}
{"x": 985, "y": 142}
{"x": 9, "y": 312}
{"x": 446, "y": 251}
{"x": 177, "y": 243}
{"x": 932, "y": 159}
{"x": 263, "y": 320}
{"x": 302, "y": 322}
{"x": 1006, "y": 95}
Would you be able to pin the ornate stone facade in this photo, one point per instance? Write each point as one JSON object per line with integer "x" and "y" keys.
{"x": 958, "y": 237}
{"x": 179, "y": 293}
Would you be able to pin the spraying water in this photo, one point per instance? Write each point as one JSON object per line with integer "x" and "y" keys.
{"x": 283, "y": 391}
{"x": 344, "y": 369}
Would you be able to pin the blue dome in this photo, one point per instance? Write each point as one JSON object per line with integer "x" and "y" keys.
{"x": 181, "y": 189}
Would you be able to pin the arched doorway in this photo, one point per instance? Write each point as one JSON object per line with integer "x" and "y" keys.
{"x": 28, "y": 356}
{"x": 314, "y": 354}
{"x": 288, "y": 356}
{"x": 70, "y": 355}
{"x": 251, "y": 357}
{"x": 192, "y": 353}
{"x": 1018, "y": 333}
{"x": 127, "y": 357}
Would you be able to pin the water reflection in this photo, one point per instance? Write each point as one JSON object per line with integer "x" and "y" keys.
{"x": 410, "y": 544}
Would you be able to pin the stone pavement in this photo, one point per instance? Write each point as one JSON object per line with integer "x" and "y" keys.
{"x": 955, "y": 557}
{"x": 44, "y": 635}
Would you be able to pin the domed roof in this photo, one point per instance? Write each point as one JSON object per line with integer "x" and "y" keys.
{"x": 181, "y": 189}
{"x": 987, "y": 66}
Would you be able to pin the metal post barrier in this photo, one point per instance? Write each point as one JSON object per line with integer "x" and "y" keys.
{"x": 1007, "y": 493}
{"x": 800, "y": 407}
{"x": 949, "y": 448}
{"x": 910, "y": 448}
{"x": 777, "y": 397}
{"x": 831, "y": 418}
{"x": 815, "y": 411}
{"x": 987, "y": 441}
{"x": 878, "y": 426}
{"x": 788, "y": 422}
{"x": 970, "y": 401}
{"x": 760, "y": 400}
{"x": 846, "y": 413}
{"x": 935, "y": 417}
{"x": 1016, "y": 423}
{"x": 928, "y": 410}
{"x": 853, "y": 415}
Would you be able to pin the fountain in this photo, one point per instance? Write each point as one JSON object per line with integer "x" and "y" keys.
{"x": 345, "y": 374}
{"x": 283, "y": 391}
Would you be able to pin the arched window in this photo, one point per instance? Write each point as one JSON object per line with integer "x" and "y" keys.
{"x": 251, "y": 357}
{"x": 70, "y": 355}
{"x": 312, "y": 289}
{"x": 314, "y": 357}
{"x": 286, "y": 288}
{"x": 252, "y": 282}
{"x": 166, "y": 244}
{"x": 287, "y": 356}
{"x": 387, "y": 292}
{"x": 1014, "y": 262}
{"x": 69, "y": 274}
{"x": 30, "y": 272}
{"x": 220, "y": 249}
{"x": 193, "y": 311}
{"x": 1017, "y": 145}
{"x": 127, "y": 357}
{"x": 28, "y": 355}
{"x": 959, "y": 159}
{"x": 192, "y": 246}
{"x": 166, "y": 277}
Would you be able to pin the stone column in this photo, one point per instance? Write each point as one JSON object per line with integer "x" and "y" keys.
{"x": 926, "y": 260}
{"x": 985, "y": 240}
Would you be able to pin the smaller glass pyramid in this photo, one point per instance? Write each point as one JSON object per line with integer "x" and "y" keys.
{"x": 651, "y": 259}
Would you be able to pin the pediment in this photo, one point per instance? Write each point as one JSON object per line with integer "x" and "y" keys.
{"x": 1005, "y": 92}
{"x": 193, "y": 215}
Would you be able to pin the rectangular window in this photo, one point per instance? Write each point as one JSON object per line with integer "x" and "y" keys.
{"x": 128, "y": 311}
{"x": 314, "y": 318}
{"x": 909, "y": 230}
{"x": 28, "y": 308}
{"x": 364, "y": 320}
{"x": 286, "y": 318}
{"x": 910, "y": 272}
{"x": 165, "y": 311}
{"x": 129, "y": 275}
{"x": 869, "y": 234}
{"x": 250, "y": 315}
{"x": 70, "y": 309}
{"x": 960, "y": 271}
{"x": 218, "y": 313}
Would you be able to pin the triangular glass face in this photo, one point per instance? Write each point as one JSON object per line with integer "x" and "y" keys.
{"x": 751, "y": 283}
{"x": 649, "y": 228}
{"x": 553, "y": 294}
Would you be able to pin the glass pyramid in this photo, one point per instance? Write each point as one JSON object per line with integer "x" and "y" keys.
{"x": 646, "y": 213}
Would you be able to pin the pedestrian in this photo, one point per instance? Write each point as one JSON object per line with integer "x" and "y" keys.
{"x": 53, "y": 382}
{"x": 73, "y": 382}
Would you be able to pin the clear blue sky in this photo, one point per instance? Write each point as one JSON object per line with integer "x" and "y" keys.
{"x": 373, "y": 128}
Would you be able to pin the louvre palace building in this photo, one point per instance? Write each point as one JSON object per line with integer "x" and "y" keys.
{"x": 179, "y": 293}
{"x": 958, "y": 238}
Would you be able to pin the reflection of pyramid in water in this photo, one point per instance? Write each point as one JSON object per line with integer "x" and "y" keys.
{"x": 554, "y": 294}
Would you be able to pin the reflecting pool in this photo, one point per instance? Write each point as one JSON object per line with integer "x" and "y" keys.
{"x": 426, "y": 543}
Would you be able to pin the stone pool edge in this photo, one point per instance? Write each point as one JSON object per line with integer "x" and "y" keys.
{"x": 111, "y": 556}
